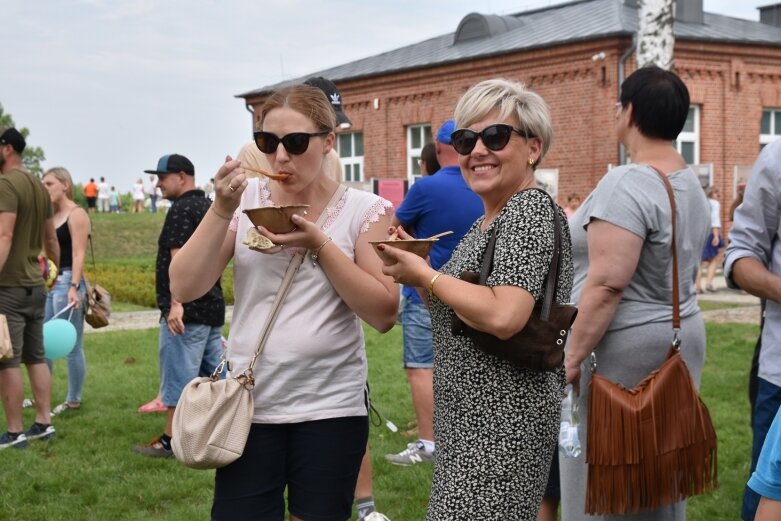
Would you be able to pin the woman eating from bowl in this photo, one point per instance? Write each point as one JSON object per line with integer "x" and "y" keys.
{"x": 310, "y": 424}
{"x": 496, "y": 424}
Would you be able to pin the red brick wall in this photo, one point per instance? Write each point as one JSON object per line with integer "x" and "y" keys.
{"x": 731, "y": 83}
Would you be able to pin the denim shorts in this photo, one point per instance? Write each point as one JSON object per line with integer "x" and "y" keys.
{"x": 23, "y": 307}
{"x": 418, "y": 340}
{"x": 184, "y": 357}
{"x": 317, "y": 461}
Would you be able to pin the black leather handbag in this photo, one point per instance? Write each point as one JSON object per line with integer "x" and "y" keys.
{"x": 540, "y": 344}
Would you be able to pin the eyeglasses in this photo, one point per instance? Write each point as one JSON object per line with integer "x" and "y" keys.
{"x": 295, "y": 143}
{"x": 494, "y": 137}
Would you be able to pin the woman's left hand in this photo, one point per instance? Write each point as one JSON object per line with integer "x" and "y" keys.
{"x": 305, "y": 235}
{"x": 73, "y": 297}
{"x": 409, "y": 269}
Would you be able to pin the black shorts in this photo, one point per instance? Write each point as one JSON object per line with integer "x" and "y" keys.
{"x": 317, "y": 461}
{"x": 91, "y": 202}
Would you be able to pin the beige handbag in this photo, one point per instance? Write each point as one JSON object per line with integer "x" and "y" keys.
{"x": 6, "y": 348}
{"x": 213, "y": 416}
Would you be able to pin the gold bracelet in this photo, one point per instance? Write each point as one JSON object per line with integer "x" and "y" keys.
{"x": 218, "y": 214}
{"x": 316, "y": 251}
{"x": 431, "y": 284}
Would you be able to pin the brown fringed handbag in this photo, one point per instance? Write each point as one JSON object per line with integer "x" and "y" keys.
{"x": 653, "y": 445}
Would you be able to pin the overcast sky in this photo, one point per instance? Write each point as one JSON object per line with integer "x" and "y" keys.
{"x": 106, "y": 87}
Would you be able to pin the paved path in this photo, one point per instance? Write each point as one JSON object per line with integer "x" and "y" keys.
{"x": 138, "y": 320}
{"x": 746, "y": 313}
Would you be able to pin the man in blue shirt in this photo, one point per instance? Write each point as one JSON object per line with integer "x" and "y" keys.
{"x": 753, "y": 263}
{"x": 434, "y": 204}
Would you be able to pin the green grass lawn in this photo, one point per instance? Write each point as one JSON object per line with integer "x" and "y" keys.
{"x": 89, "y": 472}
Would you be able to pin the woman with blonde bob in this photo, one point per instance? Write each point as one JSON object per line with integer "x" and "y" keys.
{"x": 496, "y": 424}
{"x": 73, "y": 228}
{"x": 310, "y": 424}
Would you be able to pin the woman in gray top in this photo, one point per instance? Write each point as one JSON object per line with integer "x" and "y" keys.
{"x": 621, "y": 242}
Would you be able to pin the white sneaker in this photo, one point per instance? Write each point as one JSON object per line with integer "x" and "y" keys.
{"x": 414, "y": 453}
{"x": 374, "y": 516}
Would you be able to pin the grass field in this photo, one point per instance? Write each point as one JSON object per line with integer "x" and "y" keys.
{"x": 89, "y": 472}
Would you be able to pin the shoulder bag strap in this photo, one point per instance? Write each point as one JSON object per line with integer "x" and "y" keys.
{"x": 286, "y": 281}
{"x": 553, "y": 270}
{"x": 676, "y": 295}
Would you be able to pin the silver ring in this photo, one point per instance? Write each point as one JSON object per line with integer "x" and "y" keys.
{"x": 231, "y": 187}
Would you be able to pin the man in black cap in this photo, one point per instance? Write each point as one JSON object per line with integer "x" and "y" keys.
{"x": 26, "y": 229}
{"x": 190, "y": 342}
{"x": 334, "y": 96}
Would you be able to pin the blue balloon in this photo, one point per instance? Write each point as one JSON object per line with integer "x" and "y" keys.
{"x": 59, "y": 338}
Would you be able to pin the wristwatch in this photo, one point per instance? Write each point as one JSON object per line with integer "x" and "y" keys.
{"x": 75, "y": 286}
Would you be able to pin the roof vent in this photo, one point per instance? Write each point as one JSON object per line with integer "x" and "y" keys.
{"x": 475, "y": 26}
{"x": 770, "y": 15}
{"x": 689, "y": 11}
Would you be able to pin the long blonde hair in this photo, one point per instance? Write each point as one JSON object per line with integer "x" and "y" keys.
{"x": 62, "y": 175}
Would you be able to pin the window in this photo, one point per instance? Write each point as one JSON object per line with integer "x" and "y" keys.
{"x": 688, "y": 141}
{"x": 769, "y": 126}
{"x": 350, "y": 148}
{"x": 417, "y": 137}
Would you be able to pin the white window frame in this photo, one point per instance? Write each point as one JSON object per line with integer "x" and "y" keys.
{"x": 351, "y": 161}
{"x": 775, "y": 133}
{"x": 413, "y": 154}
{"x": 691, "y": 137}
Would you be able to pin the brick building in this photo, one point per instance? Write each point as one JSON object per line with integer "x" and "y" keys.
{"x": 575, "y": 55}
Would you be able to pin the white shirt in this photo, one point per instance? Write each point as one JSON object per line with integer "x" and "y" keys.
{"x": 314, "y": 363}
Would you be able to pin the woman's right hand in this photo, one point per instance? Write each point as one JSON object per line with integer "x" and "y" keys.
{"x": 229, "y": 185}
{"x": 573, "y": 369}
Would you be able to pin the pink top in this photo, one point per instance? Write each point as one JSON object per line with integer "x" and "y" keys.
{"x": 314, "y": 364}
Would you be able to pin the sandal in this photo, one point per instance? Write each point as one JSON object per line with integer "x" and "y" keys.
{"x": 154, "y": 406}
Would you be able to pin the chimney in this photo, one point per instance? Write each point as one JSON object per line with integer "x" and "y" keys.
{"x": 689, "y": 11}
{"x": 770, "y": 15}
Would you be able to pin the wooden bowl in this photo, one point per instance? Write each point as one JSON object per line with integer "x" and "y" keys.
{"x": 420, "y": 247}
{"x": 276, "y": 219}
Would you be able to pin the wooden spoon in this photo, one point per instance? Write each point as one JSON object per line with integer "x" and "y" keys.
{"x": 438, "y": 235}
{"x": 275, "y": 177}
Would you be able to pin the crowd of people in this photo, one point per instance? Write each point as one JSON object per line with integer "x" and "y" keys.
{"x": 489, "y": 426}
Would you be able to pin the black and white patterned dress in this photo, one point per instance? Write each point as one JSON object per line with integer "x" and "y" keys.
{"x": 496, "y": 425}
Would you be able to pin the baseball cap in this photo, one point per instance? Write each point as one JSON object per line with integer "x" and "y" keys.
{"x": 334, "y": 96}
{"x": 14, "y": 138}
{"x": 447, "y": 128}
{"x": 173, "y": 164}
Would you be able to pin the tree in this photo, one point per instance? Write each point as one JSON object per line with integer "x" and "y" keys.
{"x": 655, "y": 39}
{"x": 32, "y": 156}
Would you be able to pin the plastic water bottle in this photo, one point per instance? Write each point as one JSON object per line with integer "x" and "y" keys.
{"x": 569, "y": 442}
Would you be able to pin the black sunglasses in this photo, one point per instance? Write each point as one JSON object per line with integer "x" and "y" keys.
{"x": 494, "y": 137}
{"x": 295, "y": 143}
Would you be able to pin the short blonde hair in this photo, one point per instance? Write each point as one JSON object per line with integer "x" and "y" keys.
{"x": 62, "y": 175}
{"x": 510, "y": 98}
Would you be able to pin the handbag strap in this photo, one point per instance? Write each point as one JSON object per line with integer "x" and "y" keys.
{"x": 553, "y": 270}
{"x": 676, "y": 292}
{"x": 292, "y": 268}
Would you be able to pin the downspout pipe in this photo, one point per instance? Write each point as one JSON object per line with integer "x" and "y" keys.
{"x": 621, "y": 73}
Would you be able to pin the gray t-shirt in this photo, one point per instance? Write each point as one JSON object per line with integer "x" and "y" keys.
{"x": 633, "y": 197}
{"x": 756, "y": 233}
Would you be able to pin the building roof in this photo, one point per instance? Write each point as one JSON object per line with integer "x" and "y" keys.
{"x": 481, "y": 36}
